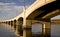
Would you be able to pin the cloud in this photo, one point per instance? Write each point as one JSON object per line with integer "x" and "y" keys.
{"x": 56, "y": 17}
{"x": 12, "y": 3}
{"x": 9, "y": 7}
{"x": 9, "y": 10}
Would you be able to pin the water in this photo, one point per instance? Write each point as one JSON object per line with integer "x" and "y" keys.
{"x": 55, "y": 30}
{"x": 5, "y": 31}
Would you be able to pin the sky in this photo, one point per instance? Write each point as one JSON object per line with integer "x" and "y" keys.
{"x": 56, "y": 17}
{"x": 11, "y": 8}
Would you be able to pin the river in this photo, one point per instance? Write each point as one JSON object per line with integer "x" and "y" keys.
{"x": 6, "y": 31}
{"x": 55, "y": 29}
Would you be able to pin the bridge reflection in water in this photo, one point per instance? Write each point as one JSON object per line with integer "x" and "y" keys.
{"x": 55, "y": 31}
{"x": 6, "y": 31}
{"x": 35, "y": 31}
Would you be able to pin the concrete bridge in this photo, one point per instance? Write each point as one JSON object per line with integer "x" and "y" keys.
{"x": 41, "y": 11}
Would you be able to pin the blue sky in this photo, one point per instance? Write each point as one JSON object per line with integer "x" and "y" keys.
{"x": 11, "y": 8}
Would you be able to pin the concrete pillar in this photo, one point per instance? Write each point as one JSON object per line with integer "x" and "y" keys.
{"x": 16, "y": 28}
{"x": 27, "y": 26}
{"x": 19, "y": 30}
{"x": 8, "y": 22}
{"x": 14, "y": 24}
{"x": 11, "y": 23}
{"x": 46, "y": 29}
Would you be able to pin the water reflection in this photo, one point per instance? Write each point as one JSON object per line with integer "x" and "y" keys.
{"x": 37, "y": 31}
{"x": 55, "y": 30}
{"x": 6, "y": 31}
{"x": 28, "y": 33}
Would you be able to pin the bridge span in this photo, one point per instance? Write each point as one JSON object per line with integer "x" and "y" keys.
{"x": 41, "y": 11}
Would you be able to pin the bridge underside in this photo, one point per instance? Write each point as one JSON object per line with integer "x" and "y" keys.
{"x": 46, "y": 12}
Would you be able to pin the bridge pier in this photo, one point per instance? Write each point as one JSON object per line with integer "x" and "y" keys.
{"x": 11, "y": 23}
{"x": 8, "y": 22}
{"x": 27, "y": 26}
{"x": 14, "y": 26}
{"x": 19, "y": 30}
{"x": 46, "y": 29}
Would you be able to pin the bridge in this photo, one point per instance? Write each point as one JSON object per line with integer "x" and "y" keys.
{"x": 41, "y": 11}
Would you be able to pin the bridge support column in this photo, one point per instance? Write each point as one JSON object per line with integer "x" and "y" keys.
{"x": 19, "y": 30}
{"x": 46, "y": 29}
{"x": 10, "y": 24}
{"x": 27, "y": 25}
{"x": 14, "y": 24}
{"x": 7, "y": 22}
